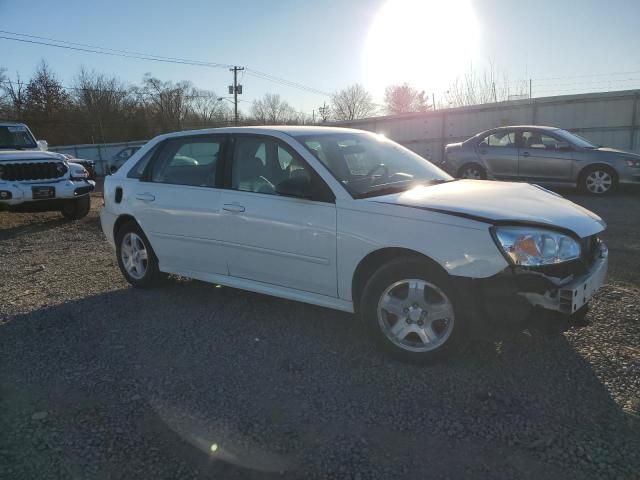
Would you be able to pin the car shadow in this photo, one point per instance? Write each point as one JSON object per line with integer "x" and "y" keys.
{"x": 21, "y": 229}
{"x": 219, "y": 382}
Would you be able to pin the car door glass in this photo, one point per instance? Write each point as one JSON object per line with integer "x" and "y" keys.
{"x": 539, "y": 140}
{"x": 499, "y": 139}
{"x": 260, "y": 164}
{"x": 189, "y": 161}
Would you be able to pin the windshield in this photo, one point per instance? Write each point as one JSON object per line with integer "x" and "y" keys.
{"x": 574, "y": 139}
{"x": 16, "y": 137}
{"x": 370, "y": 165}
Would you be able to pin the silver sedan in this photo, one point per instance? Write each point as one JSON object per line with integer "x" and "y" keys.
{"x": 545, "y": 155}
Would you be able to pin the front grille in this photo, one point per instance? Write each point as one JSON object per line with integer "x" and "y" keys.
{"x": 32, "y": 171}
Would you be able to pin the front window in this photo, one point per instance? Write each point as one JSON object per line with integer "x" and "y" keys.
{"x": 369, "y": 165}
{"x": 540, "y": 140}
{"x": 574, "y": 139}
{"x": 16, "y": 137}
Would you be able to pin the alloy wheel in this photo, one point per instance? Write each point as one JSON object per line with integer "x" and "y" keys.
{"x": 416, "y": 315}
{"x": 134, "y": 255}
{"x": 599, "y": 182}
{"x": 472, "y": 173}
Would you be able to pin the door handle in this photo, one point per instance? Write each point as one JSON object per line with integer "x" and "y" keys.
{"x": 526, "y": 154}
{"x": 145, "y": 197}
{"x": 233, "y": 207}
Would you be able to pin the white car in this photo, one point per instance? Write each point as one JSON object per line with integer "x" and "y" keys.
{"x": 352, "y": 221}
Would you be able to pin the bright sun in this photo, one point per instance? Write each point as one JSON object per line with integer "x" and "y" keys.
{"x": 426, "y": 43}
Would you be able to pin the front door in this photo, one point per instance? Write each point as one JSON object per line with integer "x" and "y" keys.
{"x": 543, "y": 157}
{"x": 276, "y": 239}
{"x": 177, "y": 203}
{"x": 499, "y": 154}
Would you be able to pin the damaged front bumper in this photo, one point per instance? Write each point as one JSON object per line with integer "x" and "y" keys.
{"x": 547, "y": 298}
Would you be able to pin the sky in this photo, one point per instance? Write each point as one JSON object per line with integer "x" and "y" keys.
{"x": 568, "y": 46}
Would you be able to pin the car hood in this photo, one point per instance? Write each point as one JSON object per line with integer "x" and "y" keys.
{"x": 500, "y": 203}
{"x": 17, "y": 155}
{"x": 622, "y": 153}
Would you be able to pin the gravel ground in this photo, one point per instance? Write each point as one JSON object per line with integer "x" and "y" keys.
{"x": 98, "y": 380}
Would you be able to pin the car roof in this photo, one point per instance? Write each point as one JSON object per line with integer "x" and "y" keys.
{"x": 293, "y": 130}
{"x": 521, "y": 127}
{"x": 12, "y": 124}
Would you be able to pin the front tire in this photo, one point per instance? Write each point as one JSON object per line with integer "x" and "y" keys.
{"x": 598, "y": 180}
{"x": 136, "y": 259}
{"x": 77, "y": 208}
{"x": 472, "y": 171}
{"x": 409, "y": 307}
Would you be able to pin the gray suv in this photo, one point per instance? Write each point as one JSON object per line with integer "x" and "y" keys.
{"x": 545, "y": 155}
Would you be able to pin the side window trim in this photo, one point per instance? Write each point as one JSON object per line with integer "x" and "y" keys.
{"x": 220, "y": 166}
{"x": 329, "y": 196}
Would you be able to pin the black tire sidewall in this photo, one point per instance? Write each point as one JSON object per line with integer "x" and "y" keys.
{"x": 401, "y": 269}
{"x": 582, "y": 184}
{"x": 152, "y": 275}
{"x": 77, "y": 208}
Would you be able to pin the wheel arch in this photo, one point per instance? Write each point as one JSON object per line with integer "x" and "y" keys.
{"x": 374, "y": 260}
{"x": 120, "y": 221}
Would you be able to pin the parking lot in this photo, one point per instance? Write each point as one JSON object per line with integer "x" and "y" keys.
{"x": 99, "y": 380}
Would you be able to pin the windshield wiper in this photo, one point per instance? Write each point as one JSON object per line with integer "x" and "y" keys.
{"x": 398, "y": 187}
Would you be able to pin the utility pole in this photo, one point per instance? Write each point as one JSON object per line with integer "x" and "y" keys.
{"x": 495, "y": 97}
{"x": 530, "y": 88}
{"x": 235, "y": 89}
{"x": 433, "y": 99}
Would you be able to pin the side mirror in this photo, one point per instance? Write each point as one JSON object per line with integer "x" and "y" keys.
{"x": 563, "y": 146}
{"x": 112, "y": 169}
{"x": 42, "y": 145}
{"x": 299, "y": 186}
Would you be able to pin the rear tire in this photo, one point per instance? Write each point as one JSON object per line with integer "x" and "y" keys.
{"x": 472, "y": 171}
{"x": 409, "y": 308}
{"x": 136, "y": 259}
{"x": 598, "y": 180}
{"x": 77, "y": 208}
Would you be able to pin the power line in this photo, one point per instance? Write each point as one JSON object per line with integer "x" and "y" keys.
{"x": 127, "y": 52}
{"x": 113, "y": 54}
{"x": 88, "y": 48}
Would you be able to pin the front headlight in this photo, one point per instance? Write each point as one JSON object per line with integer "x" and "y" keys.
{"x": 531, "y": 246}
{"x": 78, "y": 172}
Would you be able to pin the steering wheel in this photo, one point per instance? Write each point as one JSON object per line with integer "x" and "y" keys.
{"x": 381, "y": 166}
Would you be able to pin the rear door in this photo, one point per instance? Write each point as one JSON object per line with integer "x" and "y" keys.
{"x": 177, "y": 203}
{"x": 499, "y": 153}
{"x": 544, "y": 157}
{"x": 271, "y": 238}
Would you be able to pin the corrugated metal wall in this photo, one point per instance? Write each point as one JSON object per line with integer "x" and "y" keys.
{"x": 610, "y": 119}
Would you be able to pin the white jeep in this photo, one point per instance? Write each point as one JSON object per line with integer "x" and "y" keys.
{"x": 35, "y": 180}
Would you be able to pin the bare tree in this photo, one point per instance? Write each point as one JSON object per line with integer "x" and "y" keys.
{"x": 207, "y": 109}
{"x": 48, "y": 106}
{"x": 105, "y": 101}
{"x": 352, "y": 102}
{"x": 325, "y": 112}
{"x": 44, "y": 93}
{"x": 167, "y": 103}
{"x": 474, "y": 88}
{"x": 404, "y": 98}
{"x": 271, "y": 109}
